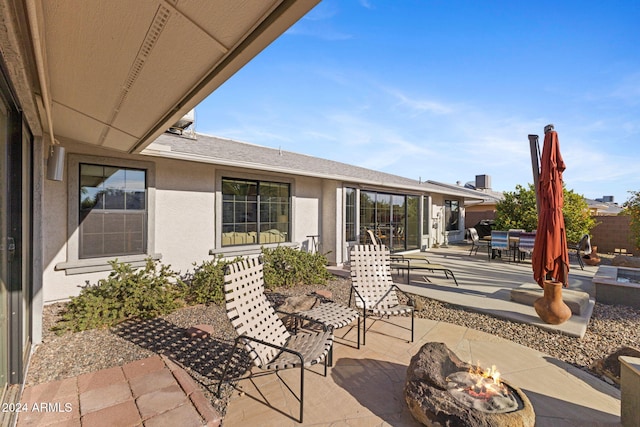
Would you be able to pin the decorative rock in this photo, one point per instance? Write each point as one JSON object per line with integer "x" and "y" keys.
{"x": 298, "y": 303}
{"x": 626, "y": 261}
{"x": 609, "y": 367}
{"x": 324, "y": 293}
{"x": 199, "y": 331}
{"x": 431, "y": 404}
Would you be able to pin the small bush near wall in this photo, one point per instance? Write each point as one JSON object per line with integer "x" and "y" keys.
{"x": 156, "y": 290}
{"x": 205, "y": 285}
{"x": 146, "y": 293}
{"x": 286, "y": 266}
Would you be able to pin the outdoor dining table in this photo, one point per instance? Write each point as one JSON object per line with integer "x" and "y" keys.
{"x": 514, "y": 243}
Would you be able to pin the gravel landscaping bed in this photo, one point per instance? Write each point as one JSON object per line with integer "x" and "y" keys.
{"x": 72, "y": 354}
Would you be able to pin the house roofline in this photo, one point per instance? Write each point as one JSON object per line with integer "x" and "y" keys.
{"x": 159, "y": 149}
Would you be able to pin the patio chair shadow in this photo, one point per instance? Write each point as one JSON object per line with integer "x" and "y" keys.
{"x": 377, "y": 386}
{"x": 203, "y": 358}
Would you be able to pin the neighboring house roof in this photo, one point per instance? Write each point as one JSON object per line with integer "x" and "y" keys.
{"x": 226, "y": 152}
{"x": 603, "y": 208}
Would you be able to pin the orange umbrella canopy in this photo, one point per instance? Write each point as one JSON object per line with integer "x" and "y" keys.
{"x": 550, "y": 258}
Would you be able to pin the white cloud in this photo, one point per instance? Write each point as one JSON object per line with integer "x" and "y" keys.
{"x": 420, "y": 105}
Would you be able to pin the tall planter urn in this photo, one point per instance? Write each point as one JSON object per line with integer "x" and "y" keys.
{"x": 550, "y": 307}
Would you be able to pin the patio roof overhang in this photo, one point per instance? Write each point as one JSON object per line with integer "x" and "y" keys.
{"x": 118, "y": 73}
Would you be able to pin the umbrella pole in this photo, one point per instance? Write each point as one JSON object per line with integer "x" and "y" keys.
{"x": 535, "y": 166}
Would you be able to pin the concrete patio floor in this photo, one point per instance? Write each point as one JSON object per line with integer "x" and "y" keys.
{"x": 365, "y": 387}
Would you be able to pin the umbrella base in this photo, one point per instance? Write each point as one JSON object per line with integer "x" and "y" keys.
{"x": 551, "y": 308}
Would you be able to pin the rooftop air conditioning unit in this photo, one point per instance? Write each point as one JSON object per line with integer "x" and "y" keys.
{"x": 182, "y": 124}
{"x": 483, "y": 182}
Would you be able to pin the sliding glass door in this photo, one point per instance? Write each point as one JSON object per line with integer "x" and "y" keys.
{"x": 393, "y": 218}
{"x": 15, "y": 242}
{"x": 4, "y": 251}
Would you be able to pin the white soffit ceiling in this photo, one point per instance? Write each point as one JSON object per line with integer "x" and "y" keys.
{"x": 120, "y": 72}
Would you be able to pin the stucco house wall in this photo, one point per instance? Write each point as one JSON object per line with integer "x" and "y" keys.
{"x": 180, "y": 220}
{"x": 182, "y": 213}
{"x": 184, "y": 209}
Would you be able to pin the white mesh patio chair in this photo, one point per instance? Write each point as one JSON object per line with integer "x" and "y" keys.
{"x": 262, "y": 332}
{"x": 476, "y": 242}
{"x": 372, "y": 286}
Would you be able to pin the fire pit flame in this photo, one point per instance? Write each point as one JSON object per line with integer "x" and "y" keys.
{"x": 482, "y": 390}
{"x": 487, "y": 382}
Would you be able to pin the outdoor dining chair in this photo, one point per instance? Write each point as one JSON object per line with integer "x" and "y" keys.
{"x": 499, "y": 243}
{"x": 584, "y": 245}
{"x": 476, "y": 243}
{"x": 372, "y": 286}
{"x": 372, "y": 237}
{"x": 525, "y": 246}
{"x": 262, "y": 332}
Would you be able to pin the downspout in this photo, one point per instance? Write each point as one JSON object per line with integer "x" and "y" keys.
{"x": 32, "y": 17}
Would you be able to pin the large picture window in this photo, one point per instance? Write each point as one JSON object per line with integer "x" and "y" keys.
{"x": 112, "y": 211}
{"x": 255, "y": 212}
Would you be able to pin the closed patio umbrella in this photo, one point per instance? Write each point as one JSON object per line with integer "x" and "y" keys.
{"x": 550, "y": 258}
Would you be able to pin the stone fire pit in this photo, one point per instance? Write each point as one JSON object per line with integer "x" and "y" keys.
{"x": 432, "y": 384}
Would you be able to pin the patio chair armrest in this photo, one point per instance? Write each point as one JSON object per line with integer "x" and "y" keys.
{"x": 364, "y": 304}
{"x": 282, "y": 348}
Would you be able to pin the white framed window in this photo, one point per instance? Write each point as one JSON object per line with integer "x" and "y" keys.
{"x": 255, "y": 212}
{"x": 111, "y": 212}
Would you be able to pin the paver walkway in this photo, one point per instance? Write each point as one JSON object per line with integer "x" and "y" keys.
{"x": 150, "y": 392}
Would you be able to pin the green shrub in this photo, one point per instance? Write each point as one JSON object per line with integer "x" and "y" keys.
{"x": 286, "y": 266}
{"x": 206, "y": 283}
{"x": 127, "y": 293}
{"x": 155, "y": 290}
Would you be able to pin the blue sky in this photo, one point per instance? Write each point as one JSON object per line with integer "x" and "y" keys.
{"x": 447, "y": 90}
